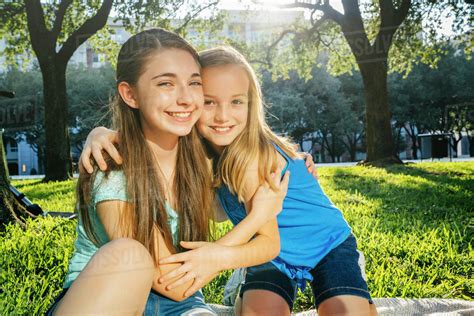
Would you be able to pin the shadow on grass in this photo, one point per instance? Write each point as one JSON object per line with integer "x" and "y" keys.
{"x": 415, "y": 199}
{"x": 416, "y": 224}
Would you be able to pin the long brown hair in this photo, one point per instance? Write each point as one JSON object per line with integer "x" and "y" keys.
{"x": 145, "y": 189}
{"x": 255, "y": 143}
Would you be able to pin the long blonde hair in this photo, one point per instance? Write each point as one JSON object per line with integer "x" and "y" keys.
{"x": 145, "y": 188}
{"x": 256, "y": 142}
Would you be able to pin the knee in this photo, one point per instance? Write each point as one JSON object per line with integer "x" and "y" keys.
{"x": 344, "y": 305}
{"x": 259, "y": 302}
{"x": 126, "y": 254}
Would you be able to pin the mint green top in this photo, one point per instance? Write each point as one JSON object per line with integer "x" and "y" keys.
{"x": 105, "y": 188}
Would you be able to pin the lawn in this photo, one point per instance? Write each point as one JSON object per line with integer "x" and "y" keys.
{"x": 414, "y": 223}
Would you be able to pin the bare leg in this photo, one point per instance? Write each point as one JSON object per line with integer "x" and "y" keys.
{"x": 261, "y": 303}
{"x": 116, "y": 281}
{"x": 373, "y": 310}
{"x": 238, "y": 306}
{"x": 345, "y": 305}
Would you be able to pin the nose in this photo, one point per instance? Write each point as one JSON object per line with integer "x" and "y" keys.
{"x": 222, "y": 113}
{"x": 185, "y": 96}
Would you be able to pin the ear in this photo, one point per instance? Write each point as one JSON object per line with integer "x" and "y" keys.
{"x": 128, "y": 94}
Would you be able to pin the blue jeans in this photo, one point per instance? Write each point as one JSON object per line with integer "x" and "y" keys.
{"x": 340, "y": 272}
{"x": 157, "y": 304}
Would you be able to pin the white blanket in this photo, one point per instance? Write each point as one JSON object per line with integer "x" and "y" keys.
{"x": 398, "y": 307}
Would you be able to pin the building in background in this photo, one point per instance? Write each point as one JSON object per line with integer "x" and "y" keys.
{"x": 21, "y": 158}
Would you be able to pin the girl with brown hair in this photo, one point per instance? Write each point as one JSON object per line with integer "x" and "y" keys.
{"x": 135, "y": 213}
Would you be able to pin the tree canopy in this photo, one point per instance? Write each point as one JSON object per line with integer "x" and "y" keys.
{"x": 376, "y": 37}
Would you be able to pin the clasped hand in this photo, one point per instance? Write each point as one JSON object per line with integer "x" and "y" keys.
{"x": 203, "y": 262}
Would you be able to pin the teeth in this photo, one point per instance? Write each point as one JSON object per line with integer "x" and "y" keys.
{"x": 180, "y": 114}
{"x": 222, "y": 129}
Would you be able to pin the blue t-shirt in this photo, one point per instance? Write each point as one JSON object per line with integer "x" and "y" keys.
{"x": 105, "y": 188}
{"x": 310, "y": 225}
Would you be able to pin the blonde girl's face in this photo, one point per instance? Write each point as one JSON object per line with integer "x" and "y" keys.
{"x": 169, "y": 93}
{"x": 226, "y": 104}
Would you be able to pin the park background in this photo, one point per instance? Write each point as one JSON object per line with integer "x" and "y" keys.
{"x": 348, "y": 81}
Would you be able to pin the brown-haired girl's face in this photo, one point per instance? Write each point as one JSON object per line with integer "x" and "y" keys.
{"x": 169, "y": 93}
{"x": 226, "y": 103}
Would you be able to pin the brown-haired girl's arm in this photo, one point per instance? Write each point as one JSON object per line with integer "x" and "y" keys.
{"x": 109, "y": 213}
{"x": 100, "y": 138}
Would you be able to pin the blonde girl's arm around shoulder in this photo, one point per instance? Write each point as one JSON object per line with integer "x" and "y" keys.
{"x": 262, "y": 205}
{"x": 109, "y": 213}
{"x": 99, "y": 139}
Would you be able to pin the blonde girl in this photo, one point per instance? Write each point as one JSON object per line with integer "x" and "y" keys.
{"x": 317, "y": 245}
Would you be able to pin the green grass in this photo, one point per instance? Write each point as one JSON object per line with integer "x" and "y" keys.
{"x": 414, "y": 223}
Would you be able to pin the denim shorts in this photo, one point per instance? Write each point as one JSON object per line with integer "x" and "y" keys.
{"x": 340, "y": 272}
{"x": 157, "y": 304}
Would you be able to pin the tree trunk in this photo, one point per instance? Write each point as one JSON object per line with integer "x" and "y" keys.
{"x": 323, "y": 153}
{"x": 333, "y": 149}
{"x": 454, "y": 144}
{"x": 53, "y": 63}
{"x": 380, "y": 147}
{"x": 414, "y": 147}
{"x": 398, "y": 142}
{"x": 352, "y": 145}
{"x": 471, "y": 145}
{"x": 353, "y": 148}
{"x": 40, "y": 160}
{"x": 58, "y": 162}
{"x": 10, "y": 209}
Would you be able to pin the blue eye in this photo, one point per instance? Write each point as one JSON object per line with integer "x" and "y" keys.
{"x": 238, "y": 102}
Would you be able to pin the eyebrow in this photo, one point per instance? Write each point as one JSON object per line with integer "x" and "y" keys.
{"x": 235, "y": 95}
{"x": 173, "y": 75}
{"x": 241, "y": 95}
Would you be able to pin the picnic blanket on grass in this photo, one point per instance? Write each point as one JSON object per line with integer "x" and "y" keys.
{"x": 396, "y": 306}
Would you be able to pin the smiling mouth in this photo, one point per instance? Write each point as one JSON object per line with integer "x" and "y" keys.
{"x": 181, "y": 115}
{"x": 222, "y": 129}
